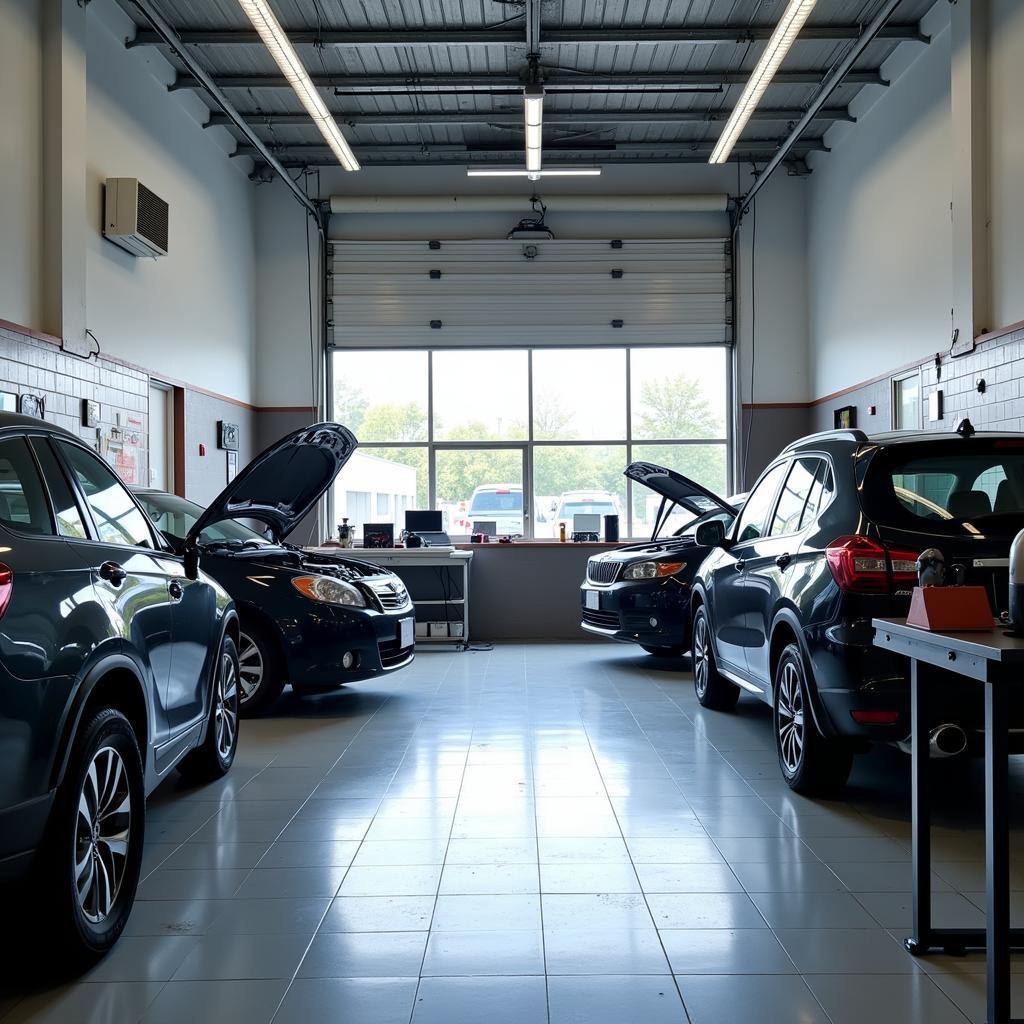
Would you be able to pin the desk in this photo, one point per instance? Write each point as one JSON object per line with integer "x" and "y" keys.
{"x": 995, "y": 660}
{"x": 438, "y": 583}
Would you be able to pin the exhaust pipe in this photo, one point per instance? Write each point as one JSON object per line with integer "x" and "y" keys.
{"x": 947, "y": 740}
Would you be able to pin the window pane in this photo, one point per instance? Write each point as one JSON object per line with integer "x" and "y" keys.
{"x": 480, "y": 395}
{"x": 23, "y": 504}
{"x": 907, "y": 403}
{"x": 578, "y": 394}
{"x": 69, "y": 518}
{"x": 794, "y": 497}
{"x": 378, "y": 485}
{"x": 381, "y": 396}
{"x": 703, "y": 463}
{"x": 481, "y": 486}
{"x": 577, "y": 479}
{"x": 118, "y": 519}
{"x": 678, "y": 392}
{"x": 759, "y": 504}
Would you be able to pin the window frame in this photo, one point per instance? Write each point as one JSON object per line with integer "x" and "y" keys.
{"x": 54, "y": 534}
{"x": 529, "y": 444}
{"x": 894, "y": 405}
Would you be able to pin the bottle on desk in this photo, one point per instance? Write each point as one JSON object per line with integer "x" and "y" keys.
{"x": 561, "y": 532}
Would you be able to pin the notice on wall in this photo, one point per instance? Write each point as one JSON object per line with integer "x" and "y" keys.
{"x": 123, "y": 451}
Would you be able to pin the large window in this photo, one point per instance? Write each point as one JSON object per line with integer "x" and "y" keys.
{"x": 522, "y": 440}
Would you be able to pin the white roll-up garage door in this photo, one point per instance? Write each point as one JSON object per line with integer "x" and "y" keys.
{"x": 516, "y": 292}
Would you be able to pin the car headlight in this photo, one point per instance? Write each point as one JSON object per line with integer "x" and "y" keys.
{"x": 652, "y": 570}
{"x": 328, "y": 590}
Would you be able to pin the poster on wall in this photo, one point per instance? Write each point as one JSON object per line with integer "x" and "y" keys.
{"x": 232, "y": 465}
{"x": 227, "y": 435}
{"x": 845, "y": 418}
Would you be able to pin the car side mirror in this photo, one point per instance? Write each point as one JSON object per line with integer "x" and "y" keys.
{"x": 710, "y": 534}
{"x": 192, "y": 562}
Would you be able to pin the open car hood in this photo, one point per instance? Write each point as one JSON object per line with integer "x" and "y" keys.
{"x": 679, "y": 489}
{"x": 282, "y": 484}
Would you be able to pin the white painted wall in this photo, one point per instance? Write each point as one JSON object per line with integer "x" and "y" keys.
{"x": 20, "y": 161}
{"x": 879, "y": 239}
{"x": 1006, "y": 85}
{"x": 189, "y": 314}
{"x": 283, "y": 367}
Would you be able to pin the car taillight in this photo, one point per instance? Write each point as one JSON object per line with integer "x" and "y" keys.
{"x": 864, "y": 565}
{"x": 875, "y": 717}
{"x": 6, "y": 586}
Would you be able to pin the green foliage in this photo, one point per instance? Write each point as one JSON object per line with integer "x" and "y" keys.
{"x": 675, "y": 407}
{"x": 407, "y": 422}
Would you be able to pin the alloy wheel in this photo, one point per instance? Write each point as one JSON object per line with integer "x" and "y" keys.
{"x": 790, "y": 718}
{"x": 701, "y": 656}
{"x": 250, "y": 667}
{"x": 102, "y": 834}
{"x": 226, "y": 713}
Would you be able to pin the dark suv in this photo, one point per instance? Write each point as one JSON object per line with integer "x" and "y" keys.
{"x": 117, "y": 664}
{"x": 827, "y": 540}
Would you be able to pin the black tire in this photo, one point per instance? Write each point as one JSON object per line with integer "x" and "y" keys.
{"x": 811, "y": 764}
{"x": 213, "y": 758}
{"x": 93, "y": 853}
{"x": 713, "y": 690}
{"x": 261, "y": 673}
{"x": 664, "y": 652}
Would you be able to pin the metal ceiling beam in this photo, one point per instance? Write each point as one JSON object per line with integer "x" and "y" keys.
{"x": 203, "y": 81}
{"x": 684, "y": 34}
{"x": 834, "y": 80}
{"x": 557, "y": 80}
{"x": 532, "y": 19}
{"x": 515, "y": 117}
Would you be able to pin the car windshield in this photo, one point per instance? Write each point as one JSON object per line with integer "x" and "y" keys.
{"x": 175, "y": 516}
{"x": 496, "y": 501}
{"x": 582, "y": 508}
{"x": 951, "y": 486}
{"x": 720, "y": 515}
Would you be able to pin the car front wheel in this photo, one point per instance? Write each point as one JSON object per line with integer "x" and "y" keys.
{"x": 94, "y": 856}
{"x": 713, "y": 690}
{"x": 811, "y": 764}
{"x": 260, "y": 675}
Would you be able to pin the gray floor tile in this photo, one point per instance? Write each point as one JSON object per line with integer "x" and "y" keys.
{"x": 400, "y": 852}
{"x": 483, "y": 954}
{"x": 650, "y": 999}
{"x": 490, "y": 879}
{"x": 227, "y": 1002}
{"x": 861, "y": 951}
{"x": 704, "y": 910}
{"x": 886, "y": 999}
{"x": 502, "y": 1000}
{"x": 269, "y": 917}
{"x": 598, "y": 910}
{"x": 582, "y": 878}
{"x": 165, "y": 884}
{"x": 492, "y": 851}
{"x": 291, "y": 883}
{"x": 173, "y": 917}
{"x": 418, "y": 880}
{"x": 309, "y": 855}
{"x": 75, "y": 1004}
{"x": 687, "y": 878}
{"x": 787, "y": 876}
{"x": 487, "y": 913}
{"x": 362, "y": 1000}
{"x": 143, "y": 958}
{"x": 585, "y": 951}
{"x": 949, "y": 910}
{"x": 364, "y": 955}
{"x": 812, "y": 910}
{"x": 767, "y": 999}
{"x": 215, "y": 856}
{"x": 379, "y": 914}
{"x": 242, "y": 957}
{"x": 724, "y": 951}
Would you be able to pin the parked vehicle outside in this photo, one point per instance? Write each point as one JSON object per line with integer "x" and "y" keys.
{"x": 118, "y": 664}
{"x": 313, "y": 620}
{"x": 827, "y": 540}
{"x": 640, "y": 593}
{"x": 501, "y": 504}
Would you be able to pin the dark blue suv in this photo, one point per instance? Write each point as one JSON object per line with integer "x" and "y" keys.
{"x": 118, "y": 664}
{"x": 827, "y": 540}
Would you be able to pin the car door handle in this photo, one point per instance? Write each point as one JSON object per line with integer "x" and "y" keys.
{"x": 740, "y": 564}
{"x": 113, "y": 573}
{"x": 783, "y": 560}
{"x": 175, "y": 589}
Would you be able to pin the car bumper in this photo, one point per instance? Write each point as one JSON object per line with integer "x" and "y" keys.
{"x": 315, "y": 652}
{"x": 852, "y": 675}
{"x": 654, "y": 614}
{"x": 21, "y": 832}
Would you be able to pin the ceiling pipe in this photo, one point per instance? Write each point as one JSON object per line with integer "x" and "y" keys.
{"x": 170, "y": 37}
{"x": 830, "y": 85}
{"x": 698, "y": 203}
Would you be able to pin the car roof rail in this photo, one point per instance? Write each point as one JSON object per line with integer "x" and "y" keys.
{"x": 850, "y": 434}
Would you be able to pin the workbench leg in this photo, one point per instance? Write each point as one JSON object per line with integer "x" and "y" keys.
{"x": 997, "y": 853}
{"x": 921, "y": 929}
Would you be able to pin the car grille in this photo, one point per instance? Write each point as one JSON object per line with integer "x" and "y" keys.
{"x": 390, "y": 593}
{"x": 603, "y": 620}
{"x": 599, "y": 571}
{"x": 391, "y": 654}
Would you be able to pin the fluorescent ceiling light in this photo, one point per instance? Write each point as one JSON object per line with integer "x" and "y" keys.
{"x": 522, "y": 172}
{"x": 781, "y": 40}
{"x": 533, "y": 123}
{"x": 275, "y": 40}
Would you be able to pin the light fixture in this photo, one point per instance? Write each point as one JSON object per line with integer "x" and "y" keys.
{"x": 533, "y": 124}
{"x": 275, "y": 40}
{"x": 781, "y": 40}
{"x": 522, "y": 172}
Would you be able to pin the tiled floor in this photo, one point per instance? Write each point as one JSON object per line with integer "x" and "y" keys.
{"x": 542, "y": 833}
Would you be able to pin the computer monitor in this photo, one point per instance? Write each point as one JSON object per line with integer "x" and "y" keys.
{"x": 378, "y": 535}
{"x": 488, "y": 527}
{"x": 586, "y": 523}
{"x": 424, "y": 521}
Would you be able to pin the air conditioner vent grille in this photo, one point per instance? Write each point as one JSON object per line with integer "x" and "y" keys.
{"x": 153, "y": 217}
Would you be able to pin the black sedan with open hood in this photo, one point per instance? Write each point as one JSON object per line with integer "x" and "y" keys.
{"x": 312, "y": 620}
{"x": 641, "y": 593}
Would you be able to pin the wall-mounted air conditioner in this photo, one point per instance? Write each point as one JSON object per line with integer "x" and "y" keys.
{"x": 134, "y": 218}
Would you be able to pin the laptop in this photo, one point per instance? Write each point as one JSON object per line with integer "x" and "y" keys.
{"x": 429, "y": 525}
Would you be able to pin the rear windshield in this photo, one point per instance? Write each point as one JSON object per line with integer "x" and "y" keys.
{"x": 950, "y": 487}
{"x": 497, "y": 501}
{"x": 582, "y": 508}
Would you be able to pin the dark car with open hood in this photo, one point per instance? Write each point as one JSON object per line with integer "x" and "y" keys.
{"x": 118, "y": 664}
{"x": 312, "y": 620}
{"x": 640, "y": 593}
